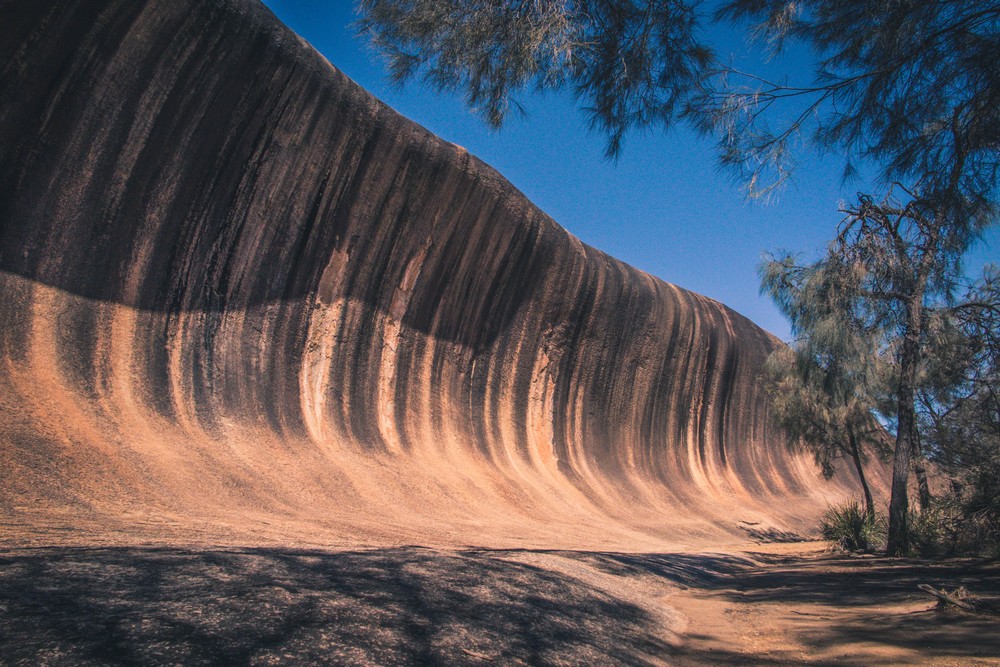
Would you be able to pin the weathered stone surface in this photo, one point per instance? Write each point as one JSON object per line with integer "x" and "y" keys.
{"x": 240, "y": 296}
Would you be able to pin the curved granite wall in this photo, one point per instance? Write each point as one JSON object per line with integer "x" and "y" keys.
{"x": 237, "y": 291}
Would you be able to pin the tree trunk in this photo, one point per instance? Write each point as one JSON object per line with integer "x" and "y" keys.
{"x": 923, "y": 487}
{"x": 920, "y": 468}
{"x": 897, "y": 542}
{"x": 856, "y": 455}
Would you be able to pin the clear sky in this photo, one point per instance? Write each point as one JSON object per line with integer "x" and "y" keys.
{"x": 663, "y": 207}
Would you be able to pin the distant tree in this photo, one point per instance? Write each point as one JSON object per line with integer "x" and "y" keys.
{"x": 819, "y": 407}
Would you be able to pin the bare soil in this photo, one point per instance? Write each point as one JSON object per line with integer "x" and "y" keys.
{"x": 765, "y": 604}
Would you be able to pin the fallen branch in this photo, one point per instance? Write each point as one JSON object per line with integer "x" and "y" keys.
{"x": 962, "y": 599}
{"x": 946, "y": 597}
{"x": 480, "y": 656}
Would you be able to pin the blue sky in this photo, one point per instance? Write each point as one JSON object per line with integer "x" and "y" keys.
{"x": 663, "y": 207}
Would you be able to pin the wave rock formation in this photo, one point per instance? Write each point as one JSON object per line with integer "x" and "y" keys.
{"x": 241, "y": 299}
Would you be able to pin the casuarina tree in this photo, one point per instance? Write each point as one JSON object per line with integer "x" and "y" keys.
{"x": 824, "y": 385}
{"x": 889, "y": 275}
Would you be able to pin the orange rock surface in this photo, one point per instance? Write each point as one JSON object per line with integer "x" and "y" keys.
{"x": 242, "y": 301}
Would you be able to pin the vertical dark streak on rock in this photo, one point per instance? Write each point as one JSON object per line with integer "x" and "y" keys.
{"x": 289, "y": 257}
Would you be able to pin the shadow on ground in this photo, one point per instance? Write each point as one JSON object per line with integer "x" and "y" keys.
{"x": 854, "y": 603}
{"x": 132, "y": 606}
{"x": 165, "y": 606}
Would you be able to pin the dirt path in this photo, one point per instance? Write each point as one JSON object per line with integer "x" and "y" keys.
{"x": 411, "y": 605}
{"x": 807, "y": 606}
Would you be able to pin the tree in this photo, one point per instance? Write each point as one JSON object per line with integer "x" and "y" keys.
{"x": 822, "y": 389}
{"x": 892, "y": 270}
{"x": 908, "y": 85}
{"x": 959, "y": 406}
{"x": 632, "y": 64}
{"x": 961, "y": 391}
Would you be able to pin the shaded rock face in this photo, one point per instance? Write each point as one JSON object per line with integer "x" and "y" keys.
{"x": 236, "y": 286}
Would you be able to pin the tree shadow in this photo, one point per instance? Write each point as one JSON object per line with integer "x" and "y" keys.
{"x": 858, "y": 582}
{"x": 131, "y": 606}
{"x": 859, "y": 592}
{"x": 771, "y": 535}
{"x": 955, "y": 635}
{"x": 701, "y": 570}
{"x": 870, "y": 588}
{"x": 413, "y": 605}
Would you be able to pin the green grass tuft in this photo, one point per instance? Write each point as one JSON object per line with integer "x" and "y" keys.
{"x": 852, "y": 529}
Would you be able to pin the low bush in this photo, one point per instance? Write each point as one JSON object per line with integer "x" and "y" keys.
{"x": 963, "y": 522}
{"x": 852, "y": 529}
{"x": 956, "y": 525}
{"x": 933, "y": 531}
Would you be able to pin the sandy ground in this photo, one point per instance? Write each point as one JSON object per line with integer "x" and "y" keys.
{"x": 788, "y": 604}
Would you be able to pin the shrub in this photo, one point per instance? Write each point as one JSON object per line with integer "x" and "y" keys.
{"x": 980, "y": 508}
{"x": 933, "y": 531}
{"x": 956, "y": 525}
{"x": 852, "y": 529}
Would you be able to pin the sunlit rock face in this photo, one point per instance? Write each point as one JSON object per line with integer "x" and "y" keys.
{"x": 241, "y": 298}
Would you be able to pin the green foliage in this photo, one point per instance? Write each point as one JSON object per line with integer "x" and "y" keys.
{"x": 875, "y": 314}
{"x": 823, "y": 403}
{"x": 931, "y": 532}
{"x": 852, "y": 528}
{"x": 631, "y": 64}
{"x": 959, "y": 524}
{"x": 909, "y": 85}
{"x": 980, "y": 503}
{"x": 959, "y": 422}
{"x": 959, "y": 404}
